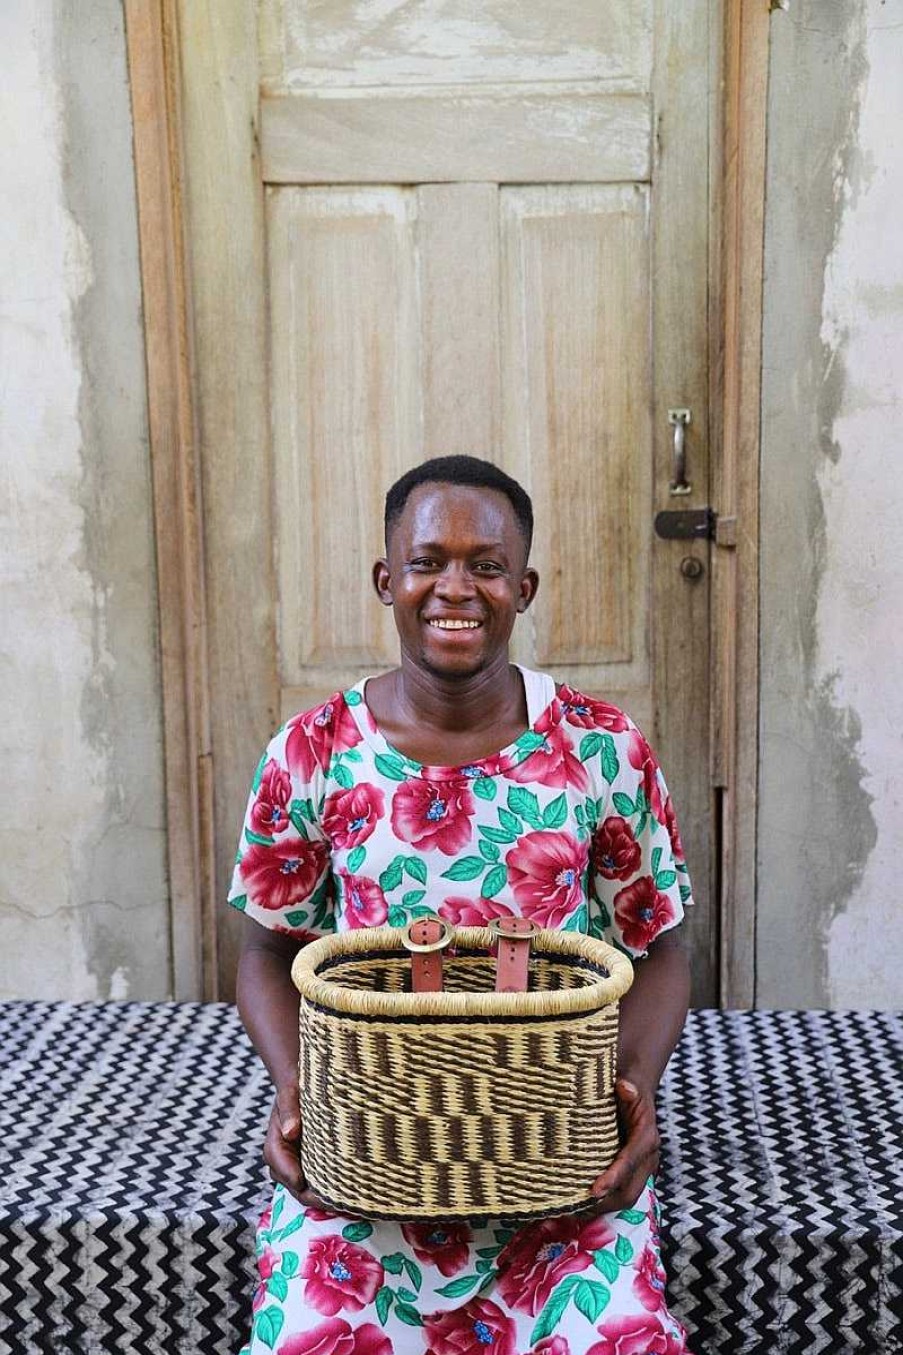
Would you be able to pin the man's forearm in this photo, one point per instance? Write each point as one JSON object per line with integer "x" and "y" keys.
{"x": 653, "y": 1012}
{"x": 268, "y": 1005}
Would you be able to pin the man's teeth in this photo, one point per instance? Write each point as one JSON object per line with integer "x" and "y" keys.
{"x": 455, "y": 625}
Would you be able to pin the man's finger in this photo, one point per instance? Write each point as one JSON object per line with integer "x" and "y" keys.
{"x": 288, "y": 1112}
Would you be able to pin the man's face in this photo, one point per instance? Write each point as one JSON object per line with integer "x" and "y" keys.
{"x": 456, "y": 577}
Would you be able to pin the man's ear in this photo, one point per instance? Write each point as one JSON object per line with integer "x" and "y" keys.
{"x": 382, "y": 582}
{"x": 529, "y": 585}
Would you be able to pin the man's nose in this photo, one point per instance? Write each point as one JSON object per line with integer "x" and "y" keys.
{"x": 455, "y": 581}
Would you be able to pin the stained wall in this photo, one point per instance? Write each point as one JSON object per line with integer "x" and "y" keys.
{"x": 83, "y": 891}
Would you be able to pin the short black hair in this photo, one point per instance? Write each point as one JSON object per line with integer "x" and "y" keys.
{"x": 460, "y": 470}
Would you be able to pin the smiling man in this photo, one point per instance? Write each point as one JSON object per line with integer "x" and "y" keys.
{"x": 514, "y": 796}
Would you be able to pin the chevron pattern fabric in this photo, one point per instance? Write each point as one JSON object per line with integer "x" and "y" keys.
{"x": 131, "y": 1179}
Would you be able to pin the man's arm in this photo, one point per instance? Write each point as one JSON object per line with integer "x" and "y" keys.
{"x": 268, "y": 1005}
{"x": 652, "y": 1015}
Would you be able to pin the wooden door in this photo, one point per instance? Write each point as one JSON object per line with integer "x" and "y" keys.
{"x": 418, "y": 229}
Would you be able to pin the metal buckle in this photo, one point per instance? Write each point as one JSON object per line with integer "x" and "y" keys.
{"x": 513, "y": 928}
{"x": 427, "y": 947}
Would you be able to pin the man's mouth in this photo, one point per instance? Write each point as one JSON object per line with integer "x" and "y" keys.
{"x": 447, "y": 623}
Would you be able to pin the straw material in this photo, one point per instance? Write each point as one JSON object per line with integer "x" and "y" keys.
{"x": 462, "y": 1103}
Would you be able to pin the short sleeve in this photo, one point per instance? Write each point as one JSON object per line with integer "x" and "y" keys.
{"x": 639, "y": 881}
{"x": 282, "y": 875}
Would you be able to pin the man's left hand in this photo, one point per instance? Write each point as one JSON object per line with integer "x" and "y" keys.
{"x": 621, "y": 1184}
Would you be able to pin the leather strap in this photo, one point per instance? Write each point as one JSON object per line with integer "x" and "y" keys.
{"x": 513, "y": 936}
{"x": 426, "y": 938}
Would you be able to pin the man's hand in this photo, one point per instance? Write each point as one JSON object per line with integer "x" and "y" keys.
{"x": 621, "y": 1184}
{"x": 282, "y": 1146}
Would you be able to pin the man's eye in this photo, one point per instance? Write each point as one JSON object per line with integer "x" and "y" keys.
{"x": 423, "y": 562}
{"x": 487, "y": 567}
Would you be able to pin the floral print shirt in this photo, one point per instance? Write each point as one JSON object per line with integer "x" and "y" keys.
{"x": 571, "y": 825}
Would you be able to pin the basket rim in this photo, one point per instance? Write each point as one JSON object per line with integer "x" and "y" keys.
{"x": 331, "y": 996}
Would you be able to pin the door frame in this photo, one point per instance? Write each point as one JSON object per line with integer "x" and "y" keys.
{"x": 215, "y": 294}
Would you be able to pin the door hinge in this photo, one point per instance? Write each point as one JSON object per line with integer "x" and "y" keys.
{"x": 696, "y": 524}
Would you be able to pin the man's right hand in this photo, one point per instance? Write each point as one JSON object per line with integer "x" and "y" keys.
{"x": 282, "y": 1146}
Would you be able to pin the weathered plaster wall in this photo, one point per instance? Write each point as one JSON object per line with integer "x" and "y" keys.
{"x": 83, "y": 895}
{"x": 829, "y": 919}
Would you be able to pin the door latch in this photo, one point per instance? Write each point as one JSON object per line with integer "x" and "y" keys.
{"x": 696, "y": 524}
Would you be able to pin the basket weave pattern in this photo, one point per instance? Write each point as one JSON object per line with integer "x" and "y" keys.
{"x": 464, "y": 1102}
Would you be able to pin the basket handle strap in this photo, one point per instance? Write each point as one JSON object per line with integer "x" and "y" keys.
{"x": 513, "y": 936}
{"x": 426, "y": 938}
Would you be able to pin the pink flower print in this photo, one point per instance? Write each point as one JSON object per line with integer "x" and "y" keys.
{"x": 542, "y": 1254}
{"x": 479, "y": 1328}
{"x": 444, "y": 1245}
{"x": 643, "y": 760}
{"x": 616, "y": 852}
{"x": 545, "y": 871}
{"x": 649, "y": 1280}
{"x": 282, "y": 874}
{"x": 340, "y": 1275}
{"x": 641, "y": 912}
{"x": 269, "y": 813}
{"x": 472, "y": 912}
{"x": 552, "y": 1345}
{"x": 670, "y": 820}
{"x": 364, "y": 901}
{"x": 636, "y": 1335}
{"x": 433, "y": 814}
{"x": 587, "y": 713}
{"x": 314, "y": 735}
{"x": 338, "y": 1337}
{"x": 267, "y": 1263}
{"x": 554, "y": 764}
{"x": 349, "y": 816}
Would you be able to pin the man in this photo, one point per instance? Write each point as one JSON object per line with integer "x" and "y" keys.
{"x": 412, "y": 760}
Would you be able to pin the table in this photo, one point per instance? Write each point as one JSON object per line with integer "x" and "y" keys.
{"x": 131, "y": 1180}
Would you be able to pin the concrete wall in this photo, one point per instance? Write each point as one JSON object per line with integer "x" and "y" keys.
{"x": 83, "y": 897}
{"x": 830, "y": 925}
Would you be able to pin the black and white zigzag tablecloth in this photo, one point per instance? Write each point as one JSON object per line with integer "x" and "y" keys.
{"x": 131, "y": 1180}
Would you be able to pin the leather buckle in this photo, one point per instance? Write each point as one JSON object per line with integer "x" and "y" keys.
{"x": 513, "y": 937}
{"x": 426, "y": 938}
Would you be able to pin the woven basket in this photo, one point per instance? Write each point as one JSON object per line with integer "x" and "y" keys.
{"x": 462, "y": 1103}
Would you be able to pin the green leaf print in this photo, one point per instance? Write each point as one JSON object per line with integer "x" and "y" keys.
{"x": 610, "y": 764}
{"x": 665, "y": 879}
{"x": 393, "y": 1263}
{"x": 462, "y": 1285}
{"x": 490, "y": 851}
{"x": 340, "y": 773}
{"x": 591, "y": 1298}
{"x": 496, "y": 879}
{"x": 555, "y": 814}
{"x": 552, "y": 1313}
{"x": 623, "y": 803}
{"x": 352, "y": 698}
{"x": 297, "y": 917}
{"x": 623, "y": 1250}
{"x": 632, "y": 1215}
{"x": 415, "y": 868}
{"x": 304, "y": 809}
{"x": 500, "y": 834}
{"x": 290, "y": 1263}
{"x": 484, "y": 1267}
{"x": 407, "y": 1295}
{"x": 241, "y": 902}
{"x": 356, "y": 858}
{"x": 277, "y": 1285}
{"x": 511, "y": 823}
{"x": 484, "y": 788}
{"x": 412, "y": 898}
{"x": 465, "y": 868}
{"x": 356, "y": 1232}
{"x": 489, "y": 1253}
{"x": 278, "y": 1206}
{"x": 298, "y": 824}
{"x": 597, "y": 926}
{"x": 390, "y": 765}
{"x": 407, "y": 1314}
{"x": 685, "y": 892}
{"x": 524, "y": 802}
{"x": 607, "y": 1264}
{"x": 393, "y": 874}
{"x": 384, "y": 1297}
{"x": 589, "y": 746}
{"x": 656, "y": 860}
{"x": 258, "y": 838}
{"x": 269, "y": 1325}
{"x": 397, "y": 916}
{"x": 352, "y": 755}
{"x": 296, "y": 1223}
{"x": 578, "y": 921}
{"x": 529, "y": 742}
{"x": 258, "y": 775}
{"x": 415, "y": 1274}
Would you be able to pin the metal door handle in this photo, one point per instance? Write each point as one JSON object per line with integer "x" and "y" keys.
{"x": 679, "y": 419}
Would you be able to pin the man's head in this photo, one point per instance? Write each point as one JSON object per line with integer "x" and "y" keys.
{"x": 461, "y": 470}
